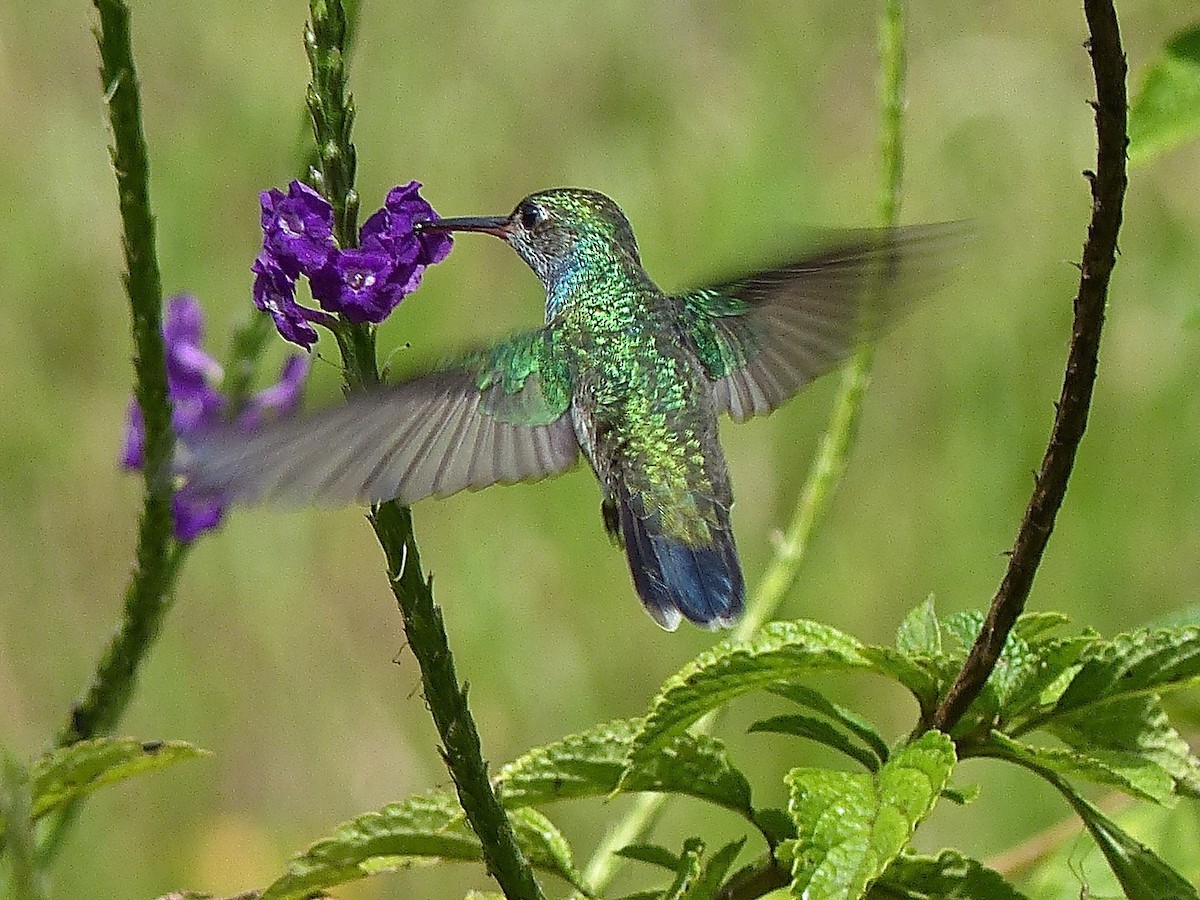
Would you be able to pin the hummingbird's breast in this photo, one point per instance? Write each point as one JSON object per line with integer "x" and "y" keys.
{"x": 643, "y": 410}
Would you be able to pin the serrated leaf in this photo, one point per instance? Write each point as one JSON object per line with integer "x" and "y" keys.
{"x": 781, "y": 651}
{"x": 1032, "y": 626}
{"x": 1131, "y": 665}
{"x": 924, "y": 676}
{"x": 428, "y": 827}
{"x": 851, "y": 827}
{"x": 1055, "y": 664}
{"x": 592, "y": 762}
{"x": 544, "y": 845}
{"x": 1137, "y": 725}
{"x": 1142, "y": 873}
{"x": 1166, "y": 111}
{"x": 818, "y": 730}
{"x": 947, "y": 876}
{"x": 920, "y": 632}
{"x": 851, "y": 721}
{"x": 1128, "y": 772}
{"x": 654, "y": 854}
{"x": 713, "y": 872}
{"x": 689, "y": 869}
{"x": 1017, "y": 664}
{"x": 70, "y": 772}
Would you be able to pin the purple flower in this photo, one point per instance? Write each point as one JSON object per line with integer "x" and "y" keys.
{"x": 280, "y": 399}
{"x": 196, "y": 404}
{"x": 297, "y": 228}
{"x": 194, "y": 513}
{"x": 406, "y": 208}
{"x": 364, "y": 285}
{"x": 275, "y": 292}
{"x": 190, "y": 376}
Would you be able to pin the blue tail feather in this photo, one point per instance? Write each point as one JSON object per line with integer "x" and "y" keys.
{"x": 674, "y": 580}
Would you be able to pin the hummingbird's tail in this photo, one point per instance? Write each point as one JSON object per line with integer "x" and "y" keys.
{"x": 703, "y": 584}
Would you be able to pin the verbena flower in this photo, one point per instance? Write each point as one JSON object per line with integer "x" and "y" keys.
{"x": 365, "y": 283}
{"x": 192, "y": 378}
{"x": 275, "y": 292}
{"x": 297, "y": 228}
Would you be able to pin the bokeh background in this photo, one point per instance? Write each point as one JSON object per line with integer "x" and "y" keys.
{"x": 724, "y": 129}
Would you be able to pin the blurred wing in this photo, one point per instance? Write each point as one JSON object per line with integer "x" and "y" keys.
{"x": 765, "y": 336}
{"x": 499, "y": 416}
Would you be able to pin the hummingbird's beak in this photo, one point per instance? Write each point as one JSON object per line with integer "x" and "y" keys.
{"x": 500, "y": 226}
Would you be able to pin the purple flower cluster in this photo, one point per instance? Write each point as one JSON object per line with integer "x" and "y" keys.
{"x": 192, "y": 376}
{"x": 364, "y": 284}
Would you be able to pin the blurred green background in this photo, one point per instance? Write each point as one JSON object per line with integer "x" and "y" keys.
{"x": 723, "y": 129}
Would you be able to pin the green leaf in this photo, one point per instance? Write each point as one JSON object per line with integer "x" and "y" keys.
{"x": 781, "y": 651}
{"x": 591, "y": 763}
{"x": 706, "y": 885}
{"x": 851, "y": 721}
{"x": 423, "y": 828}
{"x": 1142, "y": 874}
{"x": 1133, "y": 664}
{"x": 852, "y": 826}
{"x": 775, "y": 824}
{"x": 947, "y": 876}
{"x": 1017, "y": 665}
{"x": 1129, "y": 772}
{"x": 920, "y": 633}
{"x": 654, "y": 854}
{"x": 1056, "y": 662}
{"x": 1137, "y": 725}
{"x": 925, "y": 677}
{"x": 817, "y": 730}
{"x": 70, "y": 772}
{"x": 1166, "y": 111}
{"x": 1031, "y": 626}
{"x": 544, "y": 845}
{"x": 689, "y": 870}
{"x": 1077, "y": 863}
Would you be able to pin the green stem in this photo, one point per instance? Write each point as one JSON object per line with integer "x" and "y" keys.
{"x": 828, "y": 467}
{"x": 147, "y": 598}
{"x": 332, "y": 115}
{"x": 24, "y": 864}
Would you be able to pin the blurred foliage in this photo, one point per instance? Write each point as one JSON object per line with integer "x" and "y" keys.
{"x": 724, "y": 131}
{"x": 1166, "y": 110}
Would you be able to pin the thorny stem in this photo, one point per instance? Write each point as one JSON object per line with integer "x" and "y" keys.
{"x": 828, "y": 467}
{"x": 332, "y": 114}
{"x": 1099, "y": 255}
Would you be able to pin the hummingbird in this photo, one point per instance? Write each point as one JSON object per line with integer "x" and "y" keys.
{"x": 630, "y": 375}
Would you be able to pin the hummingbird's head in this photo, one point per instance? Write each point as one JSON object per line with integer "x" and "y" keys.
{"x": 557, "y": 231}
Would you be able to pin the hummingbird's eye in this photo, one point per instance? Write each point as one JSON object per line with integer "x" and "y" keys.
{"x": 532, "y": 216}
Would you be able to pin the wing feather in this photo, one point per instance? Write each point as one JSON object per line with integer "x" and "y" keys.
{"x": 765, "y": 336}
{"x": 497, "y": 416}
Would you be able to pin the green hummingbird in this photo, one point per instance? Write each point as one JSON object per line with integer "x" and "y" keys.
{"x": 634, "y": 377}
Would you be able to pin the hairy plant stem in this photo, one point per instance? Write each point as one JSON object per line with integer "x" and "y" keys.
{"x": 827, "y": 468}
{"x": 1099, "y": 255}
{"x": 158, "y": 555}
{"x": 332, "y": 114}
